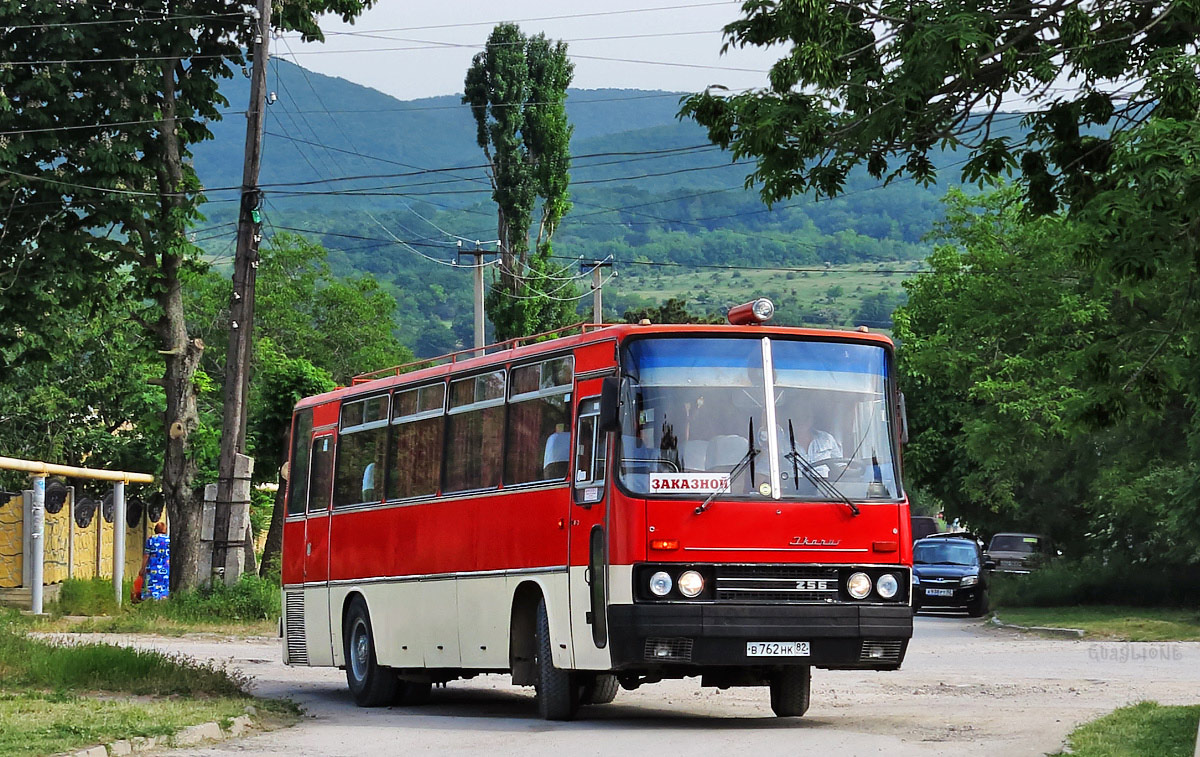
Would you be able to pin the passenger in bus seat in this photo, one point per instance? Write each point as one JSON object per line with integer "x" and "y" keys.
{"x": 557, "y": 454}
{"x": 368, "y": 483}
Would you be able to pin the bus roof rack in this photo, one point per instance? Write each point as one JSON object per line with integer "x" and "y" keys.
{"x": 454, "y": 357}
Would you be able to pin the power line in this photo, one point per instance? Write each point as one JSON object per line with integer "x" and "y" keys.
{"x": 593, "y": 14}
{"x": 429, "y": 44}
{"x": 135, "y": 20}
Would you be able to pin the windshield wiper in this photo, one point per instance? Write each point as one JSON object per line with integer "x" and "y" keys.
{"x": 815, "y": 478}
{"x": 746, "y": 461}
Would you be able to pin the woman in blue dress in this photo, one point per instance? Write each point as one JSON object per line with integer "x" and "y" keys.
{"x": 156, "y": 564}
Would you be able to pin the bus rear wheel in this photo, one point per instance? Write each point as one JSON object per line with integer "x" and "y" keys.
{"x": 371, "y": 684}
{"x": 557, "y": 694}
{"x": 790, "y": 690}
{"x": 600, "y": 689}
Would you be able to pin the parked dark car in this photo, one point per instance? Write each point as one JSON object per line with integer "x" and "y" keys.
{"x": 949, "y": 572}
{"x": 1019, "y": 553}
{"x": 922, "y": 526}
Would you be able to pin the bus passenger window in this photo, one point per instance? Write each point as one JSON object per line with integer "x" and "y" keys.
{"x": 475, "y": 433}
{"x": 538, "y": 445}
{"x": 417, "y": 433}
{"x": 361, "y": 452}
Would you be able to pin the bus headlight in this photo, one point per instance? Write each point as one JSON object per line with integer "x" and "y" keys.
{"x": 691, "y": 583}
{"x": 859, "y": 585}
{"x": 887, "y": 586}
{"x": 660, "y": 584}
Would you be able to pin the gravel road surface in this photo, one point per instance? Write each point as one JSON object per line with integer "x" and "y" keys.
{"x": 965, "y": 688}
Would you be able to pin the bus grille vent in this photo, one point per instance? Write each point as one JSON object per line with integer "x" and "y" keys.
{"x": 297, "y": 645}
{"x": 668, "y": 650}
{"x": 881, "y": 650}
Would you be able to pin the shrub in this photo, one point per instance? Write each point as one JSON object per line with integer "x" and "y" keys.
{"x": 1093, "y": 582}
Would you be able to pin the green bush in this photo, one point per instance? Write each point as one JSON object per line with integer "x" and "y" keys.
{"x": 1093, "y": 582}
{"x": 251, "y": 598}
{"x": 88, "y": 596}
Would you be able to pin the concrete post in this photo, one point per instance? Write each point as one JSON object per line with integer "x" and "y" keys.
{"x": 119, "y": 540}
{"x": 37, "y": 530}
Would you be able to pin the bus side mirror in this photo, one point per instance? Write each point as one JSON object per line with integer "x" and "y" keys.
{"x": 610, "y": 391}
{"x": 903, "y": 420}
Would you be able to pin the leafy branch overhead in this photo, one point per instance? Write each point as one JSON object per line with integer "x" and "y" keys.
{"x": 882, "y": 85}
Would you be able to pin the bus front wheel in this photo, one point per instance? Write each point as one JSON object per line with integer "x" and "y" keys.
{"x": 790, "y": 689}
{"x": 371, "y": 684}
{"x": 557, "y": 694}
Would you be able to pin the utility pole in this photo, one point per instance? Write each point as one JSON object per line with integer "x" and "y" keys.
{"x": 241, "y": 312}
{"x": 477, "y": 253}
{"x": 594, "y": 266}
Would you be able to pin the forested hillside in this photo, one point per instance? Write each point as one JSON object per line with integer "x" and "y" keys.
{"x": 391, "y": 188}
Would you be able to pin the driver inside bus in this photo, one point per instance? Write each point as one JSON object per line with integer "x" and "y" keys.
{"x": 813, "y": 443}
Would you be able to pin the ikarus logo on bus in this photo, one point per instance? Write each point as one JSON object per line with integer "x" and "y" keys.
{"x": 804, "y": 541}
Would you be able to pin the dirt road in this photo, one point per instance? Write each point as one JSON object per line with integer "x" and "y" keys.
{"x": 965, "y": 688}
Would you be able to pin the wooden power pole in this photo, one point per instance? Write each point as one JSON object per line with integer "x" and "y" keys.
{"x": 234, "y": 468}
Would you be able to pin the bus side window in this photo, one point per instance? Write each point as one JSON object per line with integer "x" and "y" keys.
{"x": 362, "y": 447}
{"x": 298, "y": 466}
{"x": 590, "y": 454}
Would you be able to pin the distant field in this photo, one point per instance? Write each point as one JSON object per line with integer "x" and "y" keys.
{"x": 709, "y": 290}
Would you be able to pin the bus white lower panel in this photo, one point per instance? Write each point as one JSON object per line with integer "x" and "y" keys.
{"x": 452, "y": 622}
{"x": 316, "y": 625}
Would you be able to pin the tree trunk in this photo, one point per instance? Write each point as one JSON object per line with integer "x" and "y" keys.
{"x": 273, "y": 549}
{"x": 181, "y": 356}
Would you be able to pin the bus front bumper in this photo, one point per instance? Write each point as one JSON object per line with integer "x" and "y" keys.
{"x": 701, "y": 636}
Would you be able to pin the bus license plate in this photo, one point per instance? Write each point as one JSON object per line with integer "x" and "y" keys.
{"x": 939, "y": 592}
{"x": 777, "y": 649}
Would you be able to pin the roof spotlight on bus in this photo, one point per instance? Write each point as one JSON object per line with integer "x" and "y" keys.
{"x": 751, "y": 313}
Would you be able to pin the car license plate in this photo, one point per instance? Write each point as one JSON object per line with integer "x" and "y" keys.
{"x": 939, "y": 592}
{"x": 777, "y": 649}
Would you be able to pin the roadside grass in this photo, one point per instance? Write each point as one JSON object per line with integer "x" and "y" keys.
{"x": 1112, "y": 622}
{"x": 249, "y": 608}
{"x": 40, "y": 723}
{"x": 58, "y": 697}
{"x": 1146, "y": 728}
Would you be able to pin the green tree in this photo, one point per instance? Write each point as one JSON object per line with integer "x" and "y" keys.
{"x": 885, "y": 85}
{"x": 517, "y": 90}
{"x": 674, "y": 310}
{"x": 279, "y": 384}
{"x": 100, "y": 103}
{"x": 1017, "y": 362}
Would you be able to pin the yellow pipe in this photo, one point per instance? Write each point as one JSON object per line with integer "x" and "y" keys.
{"x": 48, "y": 469}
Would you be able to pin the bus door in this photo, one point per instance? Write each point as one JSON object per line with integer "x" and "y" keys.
{"x": 316, "y": 550}
{"x": 589, "y": 541}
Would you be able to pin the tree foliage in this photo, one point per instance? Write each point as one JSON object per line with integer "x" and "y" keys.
{"x": 517, "y": 90}
{"x": 100, "y": 105}
{"x": 884, "y": 84}
{"x": 1020, "y": 367}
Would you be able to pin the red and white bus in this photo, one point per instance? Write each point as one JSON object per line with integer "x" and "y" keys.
{"x": 616, "y": 506}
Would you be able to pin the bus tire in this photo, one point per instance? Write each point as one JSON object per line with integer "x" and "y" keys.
{"x": 557, "y": 694}
{"x": 790, "y": 690}
{"x": 601, "y": 689}
{"x": 371, "y": 684}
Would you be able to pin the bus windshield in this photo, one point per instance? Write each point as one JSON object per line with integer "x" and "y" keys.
{"x": 701, "y": 416}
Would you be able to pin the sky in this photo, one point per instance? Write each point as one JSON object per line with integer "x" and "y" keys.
{"x": 420, "y": 49}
